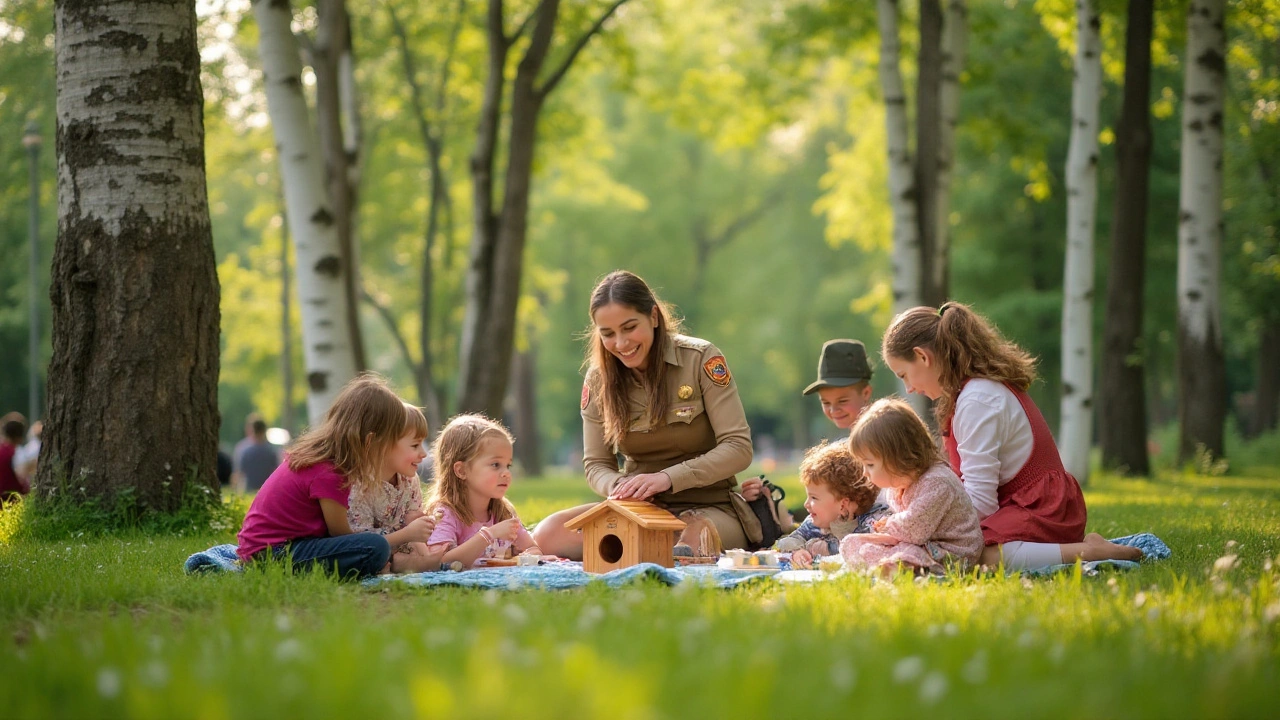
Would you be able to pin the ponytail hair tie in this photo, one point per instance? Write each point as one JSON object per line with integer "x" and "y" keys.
{"x": 943, "y": 308}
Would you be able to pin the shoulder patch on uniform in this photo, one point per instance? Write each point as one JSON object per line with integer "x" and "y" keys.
{"x": 586, "y": 396}
{"x": 718, "y": 371}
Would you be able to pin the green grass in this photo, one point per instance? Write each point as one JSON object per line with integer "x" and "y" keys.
{"x": 110, "y": 627}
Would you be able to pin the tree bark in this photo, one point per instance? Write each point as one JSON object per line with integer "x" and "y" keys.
{"x": 1076, "y": 434}
{"x": 902, "y": 187}
{"x": 498, "y": 233}
{"x": 320, "y": 271}
{"x": 928, "y": 145}
{"x": 954, "y": 50}
{"x": 286, "y": 328}
{"x": 333, "y": 64}
{"x": 1202, "y": 377}
{"x": 1267, "y": 391}
{"x": 1123, "y": 420}
{"x": 134, "y": 377}
{"x": 524, "y": 412}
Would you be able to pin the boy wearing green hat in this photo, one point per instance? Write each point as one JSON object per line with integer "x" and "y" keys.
{"x": 843, "y": 386}
{"x": 844, "y": 381}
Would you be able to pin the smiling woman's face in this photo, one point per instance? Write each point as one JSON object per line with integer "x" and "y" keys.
{"x": 626, "y": 333}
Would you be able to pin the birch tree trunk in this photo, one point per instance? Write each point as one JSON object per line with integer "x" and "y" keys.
{"x": 1076, "y": 434}
{"x": 134, "y": 376}
{"x": 319, "y": 270}
{"x": 336, "y": 125}
{"x": 498, "y": 234}
{"x": 955, "y": 35}
{"x": 1123, "y": 420}
{"x": 1202, "y": 400}
{"x": 286, "y": 328}
{"x": 929, "y": 70}
{"x": 907, "y": 253}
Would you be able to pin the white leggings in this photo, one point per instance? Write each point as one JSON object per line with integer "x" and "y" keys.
{"x": 1019, "y": 555}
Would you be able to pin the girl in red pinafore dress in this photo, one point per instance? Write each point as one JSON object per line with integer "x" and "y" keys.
{"x": 1032, "y": 510}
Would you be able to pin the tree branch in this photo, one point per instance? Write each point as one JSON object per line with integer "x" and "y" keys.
{"x": 559, "y": 72}
{"x": 385, "y": 313}
{"x": 524, "y": 24}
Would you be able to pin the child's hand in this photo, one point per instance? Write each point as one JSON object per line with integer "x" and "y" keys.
{"x": 412, "y": 515}
{"x": 506, "y": 530}
{"x": 801, "y": 559}
{"x": 419, "y": 529}
{"x": 817, "y": 547}
{"x": 878, "y": 525}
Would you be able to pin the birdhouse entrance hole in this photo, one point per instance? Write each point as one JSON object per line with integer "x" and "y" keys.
{"x": 610, "y": 548}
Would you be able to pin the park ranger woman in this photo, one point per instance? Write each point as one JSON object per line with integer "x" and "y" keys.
{"x": 668, "y": 404}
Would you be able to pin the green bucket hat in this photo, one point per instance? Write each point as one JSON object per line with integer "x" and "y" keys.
{"x": 842, "y": 363}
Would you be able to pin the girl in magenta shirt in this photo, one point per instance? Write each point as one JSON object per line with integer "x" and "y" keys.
{"x": 473, "y": 472}
{"x": 301, "y": 510}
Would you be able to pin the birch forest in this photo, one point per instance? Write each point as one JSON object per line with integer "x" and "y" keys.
{"x": 243, "y": 204}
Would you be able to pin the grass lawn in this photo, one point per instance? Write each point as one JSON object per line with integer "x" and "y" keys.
{"x": 110, "y": 627}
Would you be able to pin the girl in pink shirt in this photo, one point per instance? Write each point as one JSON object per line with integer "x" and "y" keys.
{"x": 933, "y": 524}
{"x": 301, "y": 510}
{"x": 473, "y": 472}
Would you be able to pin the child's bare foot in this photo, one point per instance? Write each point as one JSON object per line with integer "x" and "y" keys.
{"x": 1096, "y": 547}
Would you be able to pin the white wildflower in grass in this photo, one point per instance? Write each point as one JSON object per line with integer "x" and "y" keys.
{"x": 155, "y": 674}
{"x": 1140, "y": 599}
{"x": 490, "y": 598}
{"x": 950, "y": 629}
{"x": 1272, "y": 612}
{"x": 1057, "y": 653}
{"x": 1027, "y": 639}
{"x": 108, "y": 682}
{"x": 933, "y": 687}
{"x": 515, "y": 614}
{"x": 1225, "y": 564}
{"x": 843, "y": 676}
{"x": 975, "y": 671}
{"x": 283, "y": 623}
{"x": 288, "y": 649}
{"x": 591, "y": 615}
{"x": 908, "y": 669}
{"x": 437, "y": 636}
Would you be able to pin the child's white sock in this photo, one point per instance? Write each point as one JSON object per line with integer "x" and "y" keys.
{"x": 1019, "y": 555}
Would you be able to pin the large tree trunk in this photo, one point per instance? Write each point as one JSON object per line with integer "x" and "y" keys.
{"x": 498, "y": 235}
{"x": 954, "y": 48}
{"x": 928, "y": 145}
{"x": 320, "y": 272}
{"x": 1266, "y": 408}
{"x": 286, "y": 329}
{"x": 524, "y": 412}
{"x": 902, "y": 187}
{"x": 333, "y": 64}
{"x": 1123, "y": 420}
{"x": 1076, "y": 434}
{"x": 1202, "y": 378}
{"x": 134, "y": 377}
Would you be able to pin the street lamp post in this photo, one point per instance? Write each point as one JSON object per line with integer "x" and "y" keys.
{"x": 31, "y": 141}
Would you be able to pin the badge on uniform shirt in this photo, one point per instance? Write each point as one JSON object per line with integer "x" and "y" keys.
{"x": 586, "y": 396}
{"x": 685, "y": 392}
{"x": 718, "y": 371}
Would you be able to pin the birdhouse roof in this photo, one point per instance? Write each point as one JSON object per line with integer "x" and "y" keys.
{"x": 645, "y": 514}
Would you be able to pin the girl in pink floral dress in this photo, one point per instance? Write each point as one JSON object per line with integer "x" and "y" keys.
{"x": 387, "y": 505}
{"x": 933, "y": 525}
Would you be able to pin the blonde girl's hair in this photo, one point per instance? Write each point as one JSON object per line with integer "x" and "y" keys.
{"x": 891, "y": 431}
{"x": 832, "y": 466}
{"x": 462, "y": 440}
{"x": 365, "y": 421}
{"x": 967, "y": 346}
{"x": 608, "y": 382}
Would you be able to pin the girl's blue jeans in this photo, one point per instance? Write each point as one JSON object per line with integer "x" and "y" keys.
{"x": 358, "y": 554}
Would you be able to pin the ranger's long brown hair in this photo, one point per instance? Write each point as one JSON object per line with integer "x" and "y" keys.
{"x": 967, "y": 346}
{"x": 606, "y": 375}
{"x": 364, "y": 422}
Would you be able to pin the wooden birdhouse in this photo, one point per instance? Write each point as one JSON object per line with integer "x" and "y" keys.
{"x": 622, "y": 533}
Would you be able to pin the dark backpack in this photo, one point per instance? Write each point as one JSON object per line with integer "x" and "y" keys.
{"x": 766, "y": 509}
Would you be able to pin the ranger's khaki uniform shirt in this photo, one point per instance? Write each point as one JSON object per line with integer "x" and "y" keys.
{"x": 702, "y": 444}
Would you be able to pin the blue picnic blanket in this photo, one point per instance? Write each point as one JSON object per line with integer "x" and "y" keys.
{"x": 216, "y": 558}
{"x": 565, "y": 575}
